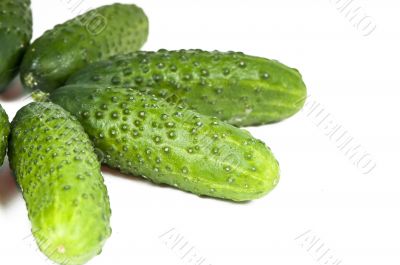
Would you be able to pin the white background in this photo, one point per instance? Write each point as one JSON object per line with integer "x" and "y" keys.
{"x": 322, "y": 194}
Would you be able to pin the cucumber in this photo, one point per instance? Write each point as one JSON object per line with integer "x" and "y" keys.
{"x": 93, "y": 36}
{"x": 60, "y": 179}
{"x": 4, "y": 132}
{"x": 15, "y": 35}
{"x": 140, "y": 134}
{"x": 240, "y": 89}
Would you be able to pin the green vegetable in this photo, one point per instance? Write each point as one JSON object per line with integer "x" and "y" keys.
{"x": 15, "y": 34}
{"x": 239, "y": 89}
{"x": 4, "y": 131}
{"x": 166, "y": 143}
{"x": 88, "y": 38}
{"x": 59, "y": 175}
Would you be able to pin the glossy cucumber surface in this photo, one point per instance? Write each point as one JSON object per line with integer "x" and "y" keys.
{"x": 60, "y": 179}
{"x": 15, "y": 35}
{"x": 90, "y": 37}
{"x": 240, "y": 89}
{"x": 166, "y": 143}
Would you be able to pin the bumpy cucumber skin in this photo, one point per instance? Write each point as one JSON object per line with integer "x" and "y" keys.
{"x": 4, "y": 132}
{"x": 59, "y": 175}
{"x": 165, "y": 143}
{"x": 240, "y": 89}
{"x": 15, "y": 35}
{"x": 78, "y": 42}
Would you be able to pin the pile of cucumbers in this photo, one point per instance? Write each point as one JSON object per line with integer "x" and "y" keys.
{"x": 172, "y": 117}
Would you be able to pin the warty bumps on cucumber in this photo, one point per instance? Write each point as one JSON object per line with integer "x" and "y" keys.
{"x": 240, "y": 89}
{"x": 60, "y": 179}
{"x": 166, "y": 143}
{"x": 4, "y": 131}
{"x": 93, "y": 36}
{"x": 15, "y": 34}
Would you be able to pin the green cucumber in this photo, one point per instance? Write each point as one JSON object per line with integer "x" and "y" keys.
{"x": 142, "y": 135}
{"x": 60, "y": 179}
{"x": 15, "y": 35}
{"x": 4, "y": 132}
{"x": 240, "y": 89}
{"x": 93, "y": 36}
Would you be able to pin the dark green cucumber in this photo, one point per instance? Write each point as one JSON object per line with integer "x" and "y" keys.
{"x": 166, "y": 143}
{"x": 4, "y": 132}
{"x": 93, "y": 36}
{"x": 15, "y": 35}
{"x": 239, "y": 89}
{"x": 59, "y": 175}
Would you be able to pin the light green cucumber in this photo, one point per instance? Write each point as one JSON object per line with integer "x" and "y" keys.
{"x": 166, "y": 143}
{"x": 240, "y": 89}
{"x": 60, "y": 179}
